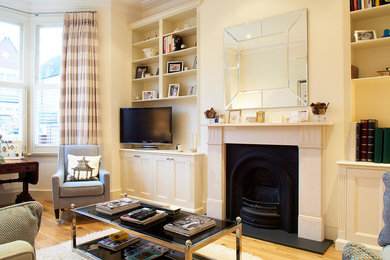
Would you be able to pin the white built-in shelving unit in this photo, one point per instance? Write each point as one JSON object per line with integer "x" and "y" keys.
{"x": 360, "y": 186}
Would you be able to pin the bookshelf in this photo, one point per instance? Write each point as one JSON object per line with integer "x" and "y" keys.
{"x": 360, "y": 183}
{"x": 370, "y": 56}
{"x": 149, "y": 32}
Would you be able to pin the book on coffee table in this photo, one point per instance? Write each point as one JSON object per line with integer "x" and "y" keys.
{"x": 190, "y": 225}
{"x": 116, "y": 206}
{"x": 144, "y": 216}
{"x": 118, "y": 245}
{"x": 144, "y": 250}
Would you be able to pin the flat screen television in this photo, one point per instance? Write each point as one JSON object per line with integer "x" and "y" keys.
{"x": 149, "y": 126}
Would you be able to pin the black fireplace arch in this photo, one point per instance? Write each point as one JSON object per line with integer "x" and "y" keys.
{"x": 262, "y": 185}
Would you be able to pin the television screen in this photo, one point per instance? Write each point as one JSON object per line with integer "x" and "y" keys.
{"x": 146, "y": 125}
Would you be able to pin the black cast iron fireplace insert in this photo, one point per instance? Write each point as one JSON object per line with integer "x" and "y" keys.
{"x": 262, "y": 185}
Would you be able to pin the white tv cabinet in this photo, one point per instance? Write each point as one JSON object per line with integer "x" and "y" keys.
{"x": 165, "y": 177}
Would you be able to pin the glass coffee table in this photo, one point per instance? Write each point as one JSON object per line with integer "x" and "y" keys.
{"x": 181, "y": 247}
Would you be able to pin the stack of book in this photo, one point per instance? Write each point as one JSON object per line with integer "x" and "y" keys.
{"x": 172, "y": 43}
{"x": 116, "y": 206}
{"x": 363, "y": 4}
{"x": 144, "y": 216}
{"x": 118, "y": 245}
{"x": 372, "y": 143}
{"x": 190, "y": 225}
{"x": 144, "y": 250}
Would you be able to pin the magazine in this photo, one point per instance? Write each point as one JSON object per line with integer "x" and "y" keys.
{"x": 144, "y": 250}
{"x": 118, "y": 245}
{"x": 116, "y": 206}
{"x": 144, "y": 216}
{"x": 190, "y": 225}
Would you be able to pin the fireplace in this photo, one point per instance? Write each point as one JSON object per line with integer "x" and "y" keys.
{"x": 262, "y": 185}
{"x": 306, "y": 138}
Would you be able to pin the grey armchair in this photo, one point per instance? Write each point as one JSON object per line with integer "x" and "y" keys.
{"x": 79, "y": 193}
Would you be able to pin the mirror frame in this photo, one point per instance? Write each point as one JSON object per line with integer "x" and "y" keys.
{"x": 302, "y": 85}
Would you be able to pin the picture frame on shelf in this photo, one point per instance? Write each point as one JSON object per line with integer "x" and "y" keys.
{"x": 195, "y": 63}
{"x": 364, "y": 35}
{"x": 147, "y": 95}
{"x": 174, "y": 66}
{"x": 173, "y": 90}
{"x": 192, "y": 91}
{"x": 234, "y": 116}
{"x": 141, "y": 71}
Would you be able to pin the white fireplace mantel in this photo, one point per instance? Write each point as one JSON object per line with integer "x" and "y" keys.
{"x": 309, "y": 139}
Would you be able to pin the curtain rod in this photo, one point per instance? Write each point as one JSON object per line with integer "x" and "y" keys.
{"x": 43, "y": 13}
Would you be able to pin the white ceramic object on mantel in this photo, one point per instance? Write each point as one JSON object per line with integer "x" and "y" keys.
{"x": 149, "y": 52}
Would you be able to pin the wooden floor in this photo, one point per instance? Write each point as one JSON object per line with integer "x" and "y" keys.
{"x": 52, "y": 233}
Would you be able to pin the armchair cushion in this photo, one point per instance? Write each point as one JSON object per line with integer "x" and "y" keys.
{"x": 78, "y": 165}
{"x": 17, "y": 250}
{"x": 81, "y": 188}
{"x": 20, "y": 222}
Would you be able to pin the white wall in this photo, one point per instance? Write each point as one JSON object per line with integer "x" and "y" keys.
{"x": 326, "y": 70}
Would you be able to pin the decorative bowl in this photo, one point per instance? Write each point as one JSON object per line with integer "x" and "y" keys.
{"x": 149, "y": 52}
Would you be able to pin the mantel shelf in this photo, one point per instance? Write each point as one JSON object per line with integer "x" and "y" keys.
{"x": 271, "y": 124}
{"x": 364, "y": 164}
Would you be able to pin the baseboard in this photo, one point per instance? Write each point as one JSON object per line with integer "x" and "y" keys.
{"x": 41, "y": 194}
{"x": 116, "y": 194}
{"x": 331, "y": 233}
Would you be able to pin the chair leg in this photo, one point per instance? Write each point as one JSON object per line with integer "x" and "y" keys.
{"x": 57, "y": 213}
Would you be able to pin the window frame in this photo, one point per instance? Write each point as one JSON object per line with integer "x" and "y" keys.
{"x": 36, "y": 24}
{"x": 23, "y": 22}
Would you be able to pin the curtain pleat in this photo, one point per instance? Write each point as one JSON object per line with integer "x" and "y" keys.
{"x": 79, "y": 85}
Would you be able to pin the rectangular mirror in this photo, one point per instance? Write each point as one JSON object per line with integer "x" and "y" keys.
{"x": 266, "y": 62}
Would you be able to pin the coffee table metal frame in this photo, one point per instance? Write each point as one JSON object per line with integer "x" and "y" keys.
{"x": 188, "y": 249}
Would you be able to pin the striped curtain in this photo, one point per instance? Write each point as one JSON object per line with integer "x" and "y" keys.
{"x": 79, "y": 107}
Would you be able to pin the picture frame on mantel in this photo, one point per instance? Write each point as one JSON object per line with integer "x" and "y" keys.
{"x": 234, "y": 116}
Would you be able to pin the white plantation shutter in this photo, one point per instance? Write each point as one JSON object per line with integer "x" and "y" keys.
{"x": 46, "y": 118}
{"x": 46, "y": 91}
{"x": 12, "y": 111}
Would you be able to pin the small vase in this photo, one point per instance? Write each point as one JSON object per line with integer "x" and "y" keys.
{"x": 319, "y": 118}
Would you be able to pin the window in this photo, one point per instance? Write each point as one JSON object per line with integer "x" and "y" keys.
{"x": 46, "y": 94}
{"x": 10, "y": 51}
{"x": 12, "y": 90}
{"x": 11, "y": 111}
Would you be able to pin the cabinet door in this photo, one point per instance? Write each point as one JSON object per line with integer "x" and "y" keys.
{"x": 146, "y": 176}
{"x": 130, "y": 168}
{"x": 364, "y": 205}
{"x": 165, "y": 179}
{"x": 183, "y": 182}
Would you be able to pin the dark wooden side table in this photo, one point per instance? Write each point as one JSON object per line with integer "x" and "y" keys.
{"x": 28, "y": 173}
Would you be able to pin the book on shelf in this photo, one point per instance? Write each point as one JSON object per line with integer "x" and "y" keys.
{"x": 190, "y": 225}
{"x": 172, "y": 43}
{"x": 363, "y": 139}
{"x": 116, "y": 206}
{"x": 144, "y": 216}
{"x": 372, "y": 124}
{"x": 118, "y": 245}
{"x": 144, "y": 250}
{"x": 357, "y": 141}
{"x": 378, "y": 147}
{"x": 386, "y": 145}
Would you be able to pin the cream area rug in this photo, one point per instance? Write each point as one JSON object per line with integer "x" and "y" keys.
{"x": 64, "y": 251}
